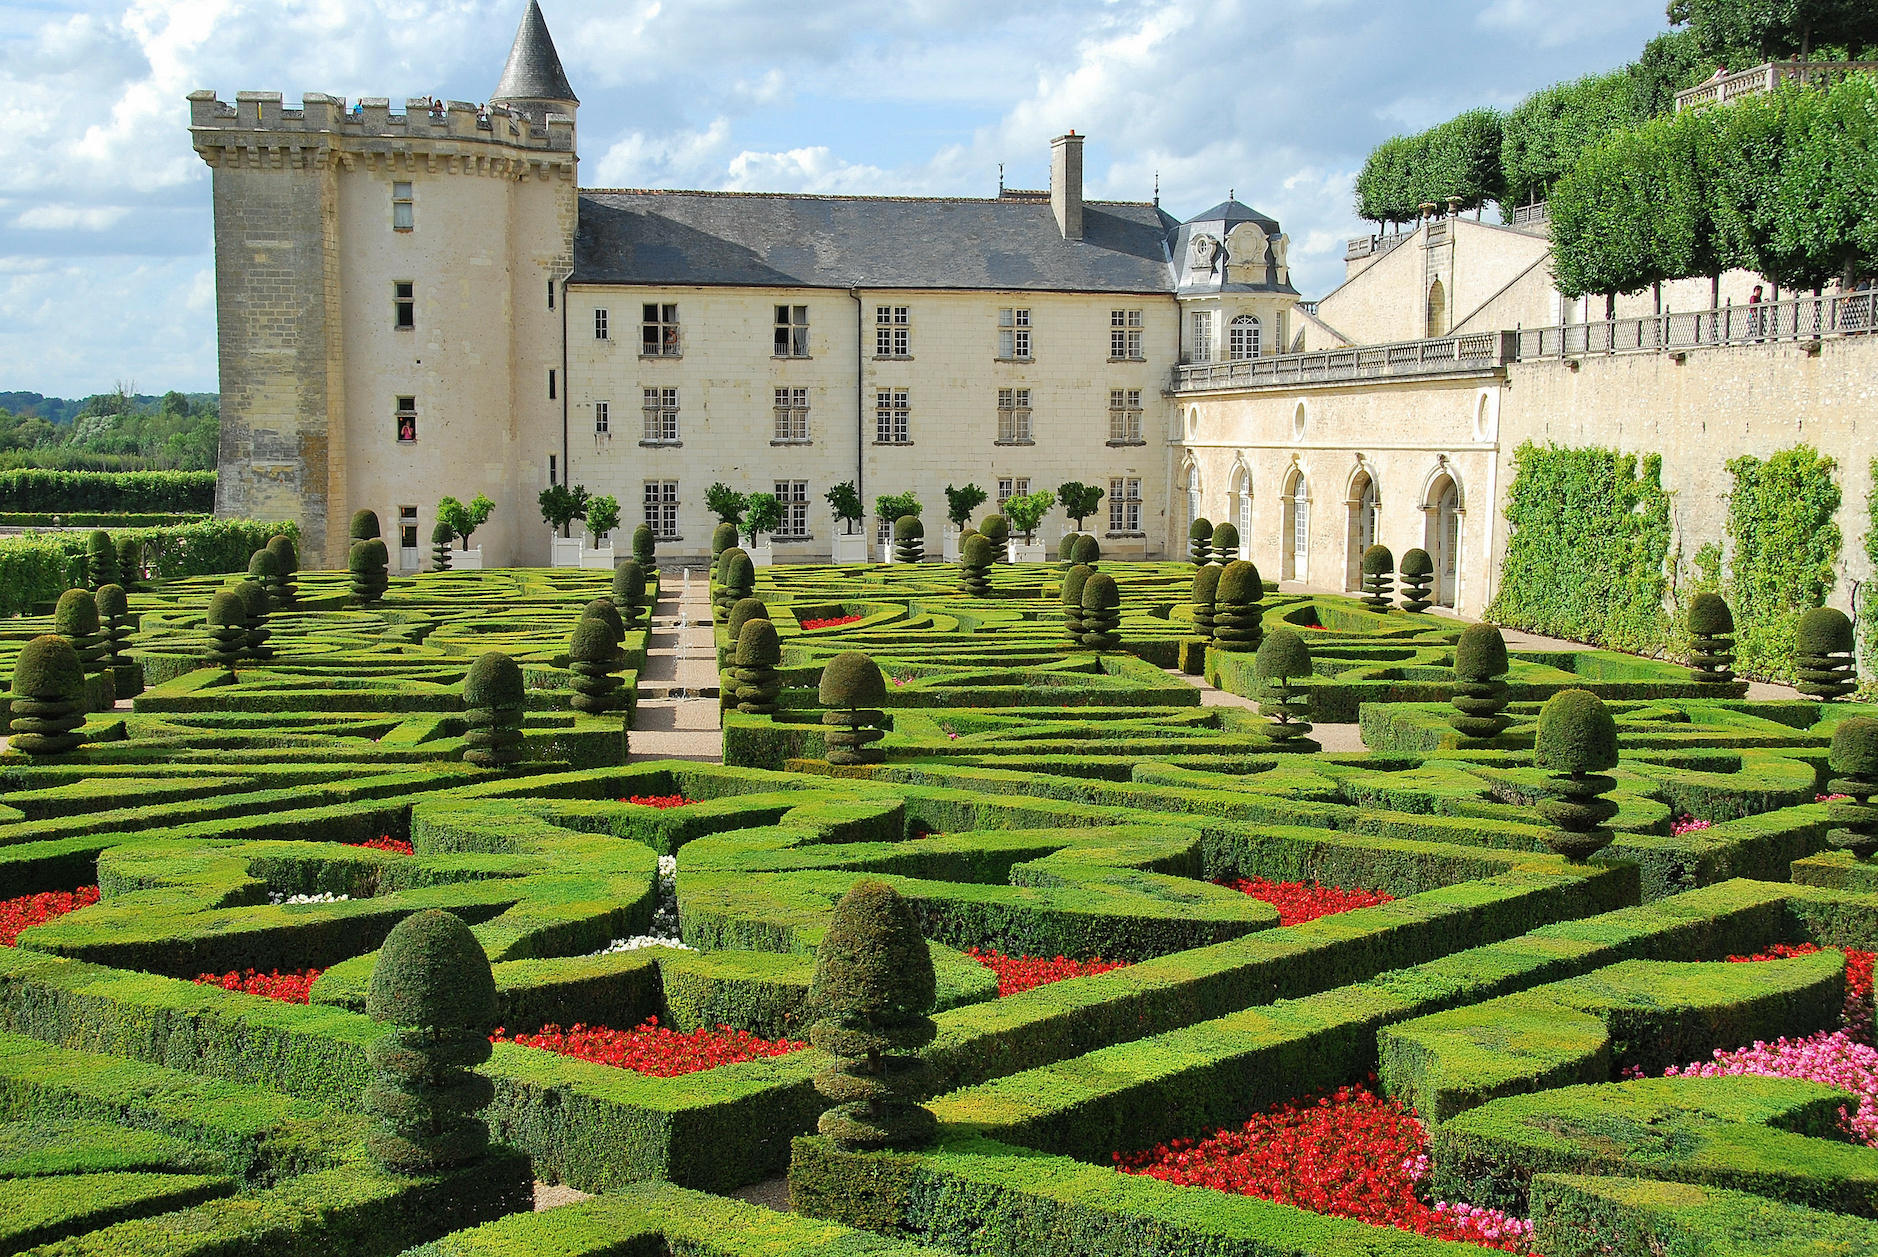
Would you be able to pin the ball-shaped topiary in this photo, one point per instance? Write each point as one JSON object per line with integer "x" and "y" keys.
{"x": 441, "y": 538}
{"x": 1202, "y": 599}
{"x": 1238, "y": 615}
{"x": 1711, "y": 639}
{"x": 75, "y": 618}
{"x": 736, "y": 579}
{"x": 1283, "y": 665}
{"x": 101, "y": 559}
{"x": 433, "y": 985}
{"x": 1576, "y": 743}
{"x": 1101, "y": 612}
{"x": 746, "y": 610}
{"x": 997, "y": 530}
{"x": 129, "y": 562}
{"x": 909, "y": 539}
{"x": 1073, "y": 582}
{"x": 645, "y": 548}
{"x": 1418, "y": 573}
{"x": 1200, "y": 540}
{"x": 1378, "y": 578}
{"x": 228, "y": 629}
{"x": 368, "y": 565}
{"x": 494, "y": 697}
{"x": 629, "y": 591}
{"x": 254, "y": 602}
{"x": 1480, "y": 689}
{"x": 1088, "y": 549}
{"x": 288, "y": 558}
{"x": 853, "y": 690}
{"x": 364, "y": 526}
{"x": 723, "y": 537}
{"x": 594, "y": 658}
{"x": 602, "y": 609}
{"x": 1822, "y": 654}
{"x": 975, "y": 560}
{"x": 873, "y": 988}
{"x": 48, "y": 698}
{"x": 759, "y": 684}
{"x": 1854, "y": 758}
{"x": 1225, "y": 543}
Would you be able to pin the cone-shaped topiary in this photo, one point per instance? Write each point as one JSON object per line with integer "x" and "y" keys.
{"x": 1073, "y": 582}
{"x": 288, "y": 557}
{"x": 1205, "y": 593}
{"x": 1378, "y": 578}
{"x": 853, "y": 690}
{"x": 975, "y": 560}
{"x": 645, "y": 548}
{"x": 75, "y": 618}
{"x": 48, "y": 692}
{"x": 629, "y": 591}
{"x": 759, "y": 650}
{"x": 909, "y": 539}
{"x": 1238, "y": 616}
{"x": 1711, "y": 639}
{"x": 228, "y": 629}
{"x": 440, "y": 538}
{"x": 736, "y": 580}
{"x": 114, "y": 625}
{"x": 368, "y": 565}
{"x": 493, "y": 698}
{"x": 1822, "y": 654}
{"x": 1576, "y": 742}
{"x": 1480, "y": 690}
{"x": 746, "y": 610}
{"x": 1066, "y": 549}
{"x": 594, "y": 658}
{"x": 1283, "y": 661}
{"x": 873, "y": 986}
{"x": 1088, "y": 549}
{"x": 432, "y": 984}
{"x": 129, "y": 563}
{"x": 723, "y": 537}
{"x": 1418, "y": 572}
{"x": 254, "y": 603}
{"x": 364, "y": 525}
{"x": 1101, "y": 612}
{"x": 1225, "y": 544}
{"x": 1854, "y": 757}
{"x": 101, "y": 559}
{"x": 997, "y": 530}
{"x": 1200, "y": 541}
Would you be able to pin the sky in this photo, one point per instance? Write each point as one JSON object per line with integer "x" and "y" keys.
{"x": 106, "y": 273}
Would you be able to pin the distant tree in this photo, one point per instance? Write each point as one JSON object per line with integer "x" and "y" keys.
{"x": 845, "y": 502}
{"x": 602, "y": 515}
{"x": 1543, "y": 136}
{"x": 1079, "y": 500}
{"x": 725, "y": 503}
{"x": 561, "y": 506}
{"x": 1026, "y": 511}
{"x": 960, "y": 503}
{"x": 891, "y": 506}
{"x": 764, "y": 515}
{"x": 1741, "y": 34}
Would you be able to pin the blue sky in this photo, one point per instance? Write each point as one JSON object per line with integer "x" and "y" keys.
{"x": 105, "y": 271}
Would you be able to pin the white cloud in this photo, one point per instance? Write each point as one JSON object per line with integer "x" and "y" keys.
{"x": 70, "y": 217}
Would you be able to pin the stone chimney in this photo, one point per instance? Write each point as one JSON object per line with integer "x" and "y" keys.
{"x": 1066, "y": 184}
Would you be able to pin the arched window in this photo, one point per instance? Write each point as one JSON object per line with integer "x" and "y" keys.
{"x": 1437, "y": 309}
{"x": 1193, "y": 500}
{"x": 1245, "y": 338}
{"x": 1242, "y": 508}
{"x": 1362, "y": 503}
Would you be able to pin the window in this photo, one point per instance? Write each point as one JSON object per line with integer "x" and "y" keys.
{"x": 1125, "y": 334}
{"x": 550, "y": 294}
{"x": 792, "y": 414}
{"x": 794, "y": 496}
{"x": 407, "y": 419}
{"x": 661, "y": 415}
{"x": 1124, "y": 415}
{"x": 1014, "y": 416}
{"x": 1013, "y": 333}
{"x": 1011, "y": 486}
{"x": 662, "y": 509}
{"x": 403, "y": 306}
{"x": 1124, "y": 504}
{"x": 892, "y": 332}
{"x": 599, "y": 325}
{"x": 1244, "y": 338}
{"x": 407, "y": 527}
{"x": 1202, "y": 346}
{"x": 401, "y": 206}
{"x": 890, "y": 417}
{"x": 552, "y": 393}
{"x": 792, "y": 331}
{"x": 658, "y": 334}
{"x": 602, "y": 419}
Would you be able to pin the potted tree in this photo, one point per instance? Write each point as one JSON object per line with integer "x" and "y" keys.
{"x": 850, "y": 543}
{"x": 464, "y": 520}
{"x": 889, "y": 507}
{"x": 602, "y": 519}
{"x": 1079, "y": 501}
{"x": 762, "y": 516}
{"x": 1025, "y": 511}
{"x": 960, "y": 503}
{"x": 560, "y": 507}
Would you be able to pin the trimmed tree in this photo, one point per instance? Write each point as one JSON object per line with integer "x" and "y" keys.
{"x": 594, "y": 658}
{"x": 1854, "y": 756}
{"x": 1577, "y": 743}
{"x": 369, "y": 567}
{"x": 975, "y": 560}
{"x": 909, "y": 539}
{"x": 1025, "y": 511}
{"x": 1073, "y": 582}
{"x": 287, "y": 558}
{"x": 114, "y": 625}
{"x": 738, "y": 579}
{"x": 494, "y": 697}
{"x": 960, "y": 503}
{"x": 645, "y": 547}
{"x": 1066, "y": 549}
{"x": 1205, "y": 591}
{"x": 1088, "y": 550}
{"x": 602, "y": 609}
{"x": 1378, "y": 574}
{"x": 1225, "y": 543}
{"x": 433, "y": 986}
{"x": 602, "y": 517}
{"x": 1480, "y": 689}
{"x": 723, "y": 537}
{"x": 997, "y": 530}
{"x": 759, "y": 651}
{"x": 1822, "y": 655}
{"x": 75, "y": 618}
{"x": 47, "y": 715}
{"x": 254, "y": 603}
{"x": 264, "y": 569}
{"x": 844, "y": 502}
{"x": 364, "y": 525}
{"x": 1079, "y": 500}
{"x": 746, "y": 610}
{"x": 764, "y": 515}
{"x": 1200, "y": 541}
{"x": 1282, "y": 661}
{"x": 1238, "y": 615}
{"x": 1711, "y": 639}
{"x": 227, "y": 624}
{"x": 100, "y": 560}
{"x": 1101, "y": 612}
{"x": 560, "y": 506}
{"x": 853, "y": 690}
{"x": 129, "y": 563}
{"x": 629, "y": 591}
{"x": 1418, "y": 573}
{"x": 726, "y": 503}
{"x": 873, "y": 987}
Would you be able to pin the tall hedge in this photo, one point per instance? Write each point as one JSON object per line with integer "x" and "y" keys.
{"x": 38, "y": 567}
{"x": 1589, "y": 541}
{"x": 137, "y": 491}
{"x": 1460, "y": 157}
{"x": 1783, "y": 548}
{"x": 1542, "y": 137}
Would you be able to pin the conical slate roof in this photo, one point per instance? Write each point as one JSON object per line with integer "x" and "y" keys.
{"x": 534, "y": 70}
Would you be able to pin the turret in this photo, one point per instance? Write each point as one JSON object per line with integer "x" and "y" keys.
{"x": 533, "y": 82}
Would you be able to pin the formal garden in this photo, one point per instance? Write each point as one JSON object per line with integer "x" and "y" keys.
{"x": 1025, "y": 914}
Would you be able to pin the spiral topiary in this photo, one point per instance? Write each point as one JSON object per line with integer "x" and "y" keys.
{"x": 1088, "y": 549}
{"x": 1822, "y": 655}
{"x": 75, "y": 618}
{"x": 645, "y": 548}
{"x": 129, "y": 563}
{"x": 873, "y": 987}
{"x": 1480, "y": 691}
{"x": 364, "y": 526}
{"x": 1200, "y": 541}
{"x": 48, "y": 692}
{"x": 1101, "y": 612}
{"x": 1203, "y": 598}
{"x": 1378, "y": 577}
{"x": 1854, "y": 757}
{"x": 1418, "y": 573}
{"x": 433, "y": 985}
{"x": 736, "y": 580}
{"x": 288, "y": 558}
{"x": 1283, "y": 659}
{"x": 975, "y": 560}
{"x": 114, "y": 627}
{"x": 723, "y": 537}
{"x": 101, "y": 560}
{"x": 254, "y": 603}
{"x": 759, "y": 685}
{"x": 629, "y": 591}
{"x": 368, "y": 564}
{"x": 1711, "y": 639}
{"x": 228, "y": 630}
{"x": 441, "y": 537}
{"x": 1238, "y": 616}
{"x": 493, "y": 697}
{"x": 853, "y": 690}
{"x": 909, "y": 539}
{"x": 1576, "y": 743}
{"x": 1073, "y": 582}
{"x": 997, "y": 530}
{"x": 1225, "y": 544}
{"x": 746, "y": 610}
{"x": 594, "y": 658}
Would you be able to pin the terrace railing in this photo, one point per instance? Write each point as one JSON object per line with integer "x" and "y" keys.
{"x": 1767, "y": 322}
{"x": 1446, "y": 355}
{"x": 1765, "y": 78}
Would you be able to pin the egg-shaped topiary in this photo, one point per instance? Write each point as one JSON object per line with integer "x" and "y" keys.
{"x": 1225, "y": 543}
{"x": 228, "y": 629}
{"x": 595, "y": 660}
{"x": 723, "y": 537}
{"x": 368, "y": 565}
{"x": 442, "y": 537}
{"x": 736, "y": 579}
{"x": 759, "y": 684}
{"x": 101, "y": 559}
{"x": 1238, "y": 614}
{"x": 1066, "y": 549}
{"x": 1071, "y": 595}
{"x": 909, "y": 539}
{"x": 494, "y": 696}
{"x": 75, "y": 618}
{"x": 975, "y": 560}
{"x": 47, "y": 711}
{"x": 997, "y": 531}
{"x": 629, "y": 591}
{"x": 1101, "y": 612}
{"x": 287, "y": 557}
{"x": 1200, "y": 540}
{"x": 852, "y": 679}
{"x": 1822, "y": 654}
{"x": 1711, "y": 639}
{"x": 1576, "y": 743}
{"x": 364, "y": 525}
{"x": 1378, "y": 578}
{"x": 645, "y": 548}
{"x": 1480, "y": 690}
{"x": 253, "y": 597}
{"x": 853, "y": 689}
{"x": 1088, "y": 550}
{"x": 1854, "y": 758}
{"x": 746, "y": 610}
{"x": 1202, "y": 598}
{"x": 1417, "y": 571}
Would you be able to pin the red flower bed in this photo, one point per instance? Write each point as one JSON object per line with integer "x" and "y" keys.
{"x": 660, "y": 800}
{"x": 1021, "y": 973}
{"x": 1349, "y": 1154}
{"x": 30, "y": 910}
{"x": 1858, "y": 982}
{"x": 651, "y": 1049}
{"x": 385, "y": 842}
{"x": 290, "y": 987}
{"x": 1298, "y": 902}
{"x": 811, "y": 625}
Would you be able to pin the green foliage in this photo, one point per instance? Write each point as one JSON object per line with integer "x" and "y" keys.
{"x": 960, "y": 503}
{"x": 1586, "y": 559}
{"x": 1711, "y": 639}
{"x": 997, "y": 531}
{"x": 134, "y": 492}
{"x": 1458, "y": 158}
{"x": 845, "y": 502}
{"x": 853, "y": 689}
{"x": 758, "y": 652}
{"x": 561, "y": 506}
{"x": 1202, "y": 598}
{"x": 493, "y": 696}
{"x": 746, "y": 610}
{"x": 480, "y": 509}
{"x": 441, "y": 535}
{"x": 453, "y": 515}
{"x": 1101, "y": 611}
{"x": 1026, "y": 510}
{"x": 1543, "y": 137}
{"x": 1854, "y": 757}
{"x": 602, "y": 515}
{"x": 595, "y": 660}
{"x": 763, "y": 513}
{"x": 1783, "y": 549}
{"x": 1238, "y": 615}
{"x": 975, "y": 559}
{"x": 726, "y": 503}
{"x": 1073, "y": 581}
{"x": 1480, "y": 692}
{"x": 369, "y": 564}
{"x": 1225, "y": 543}
{"x": 1822, "y": 654}
{"x": 363, "y": 526}
{"x": 645, "y": 548}
{"x": 1282, "y": 660}
{"x": 48, "y": 697}
{"x": 852, "y": 679}
{"x": 76, "y": 616}
{"x": 1418, "y": 573}
{"x": 1200, "y": 540}
{"x": 891, "y": 506}
{"x": 723, "y": 537}
{"x": 1079, "y": 500}
{"x": 1577, "y": 734}
{"x": 100, "y": 559}
{"x": 909, "y": 539}
{"x": 1744, "y": 33}
{"x": 1087, "y": 550}
{"x": 1378, "y": 570}
{"x": 227, "y": 629}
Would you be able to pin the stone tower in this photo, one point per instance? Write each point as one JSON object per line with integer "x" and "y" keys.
{"x": 389, "y": 305}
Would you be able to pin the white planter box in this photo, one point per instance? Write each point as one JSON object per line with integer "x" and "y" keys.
{"x": 1033, "y": 553}
{"x": 951, "y": 546}
{"x": 467, "y": 560}
{"x": 597, "y": 560}
{"x": 567, "y": 552}
{"x": 850, "y": 547}
{"x": 763, "y": 555}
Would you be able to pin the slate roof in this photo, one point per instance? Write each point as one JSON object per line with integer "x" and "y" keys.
{"x": 534, "y": 68}
{"x": 783, "y": 240}
{"x": 1232, "y": 213}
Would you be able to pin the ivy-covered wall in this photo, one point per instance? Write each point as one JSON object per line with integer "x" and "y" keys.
{"x": 1783, "y": 548}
